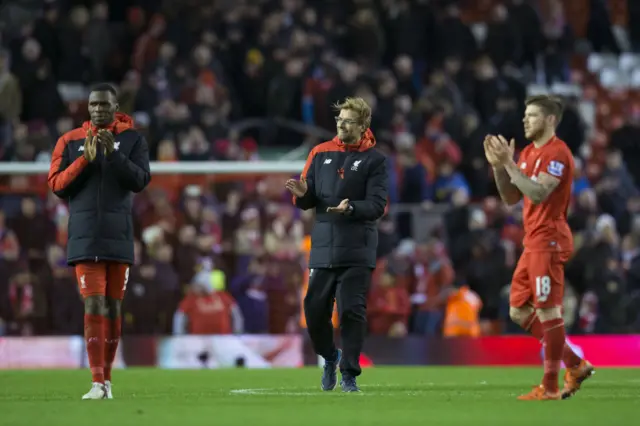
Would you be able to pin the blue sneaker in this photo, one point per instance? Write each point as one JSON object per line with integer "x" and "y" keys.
{"x": 329, "y": 375}
{"x": 348, "y": 384}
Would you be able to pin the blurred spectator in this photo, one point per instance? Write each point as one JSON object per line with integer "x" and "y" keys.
{"x": 624, "y": 138}
{"x": 474, "y": 166}
{"x": 40, "y": 97}
{"x": 367, "y": 39}
{"x": 558, "y": 38}
{"x": 389, "y": 307}
{"x": 449, "y": 182}
{"x": 206, "y": 310}
{"x": 599, "y": 28}
{"x": 591, "y": 263}
{"x": 28, "y": 304}
{"x": 285, "y": 236}
{"x": 10, "y": 247}
{"x": 187, "y": 254}
{"x": 249, "y": 291}
{"x": 34, "y": 230}
{"x": 248, "y": 237}
{"x": 616, "y": 185}
{"x": 486, "y": 269}
{"x": 526, "y": 19}
{"x": 67, "y": 311}
{"x": 572, "y": 128}
{"x": 584, "y": 214}
{"x": 142, "y": 299}
{"x": 167, "y": 280}
{"x": 503, "y": 40}
{"x": 462, "y": 314}
{"x": 10, "y": 102}
{"x": 283, "y": 295}
{"x": 430, "y": 286}
{"x": 239, "y": 82}
{"x": 580, "y": 180}
{"x": 456, "y": 37}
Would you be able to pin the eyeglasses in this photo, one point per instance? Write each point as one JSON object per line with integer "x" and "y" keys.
{"x": 348, "y": 121}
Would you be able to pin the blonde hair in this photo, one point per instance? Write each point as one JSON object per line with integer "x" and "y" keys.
{"x": 359, "y": 106}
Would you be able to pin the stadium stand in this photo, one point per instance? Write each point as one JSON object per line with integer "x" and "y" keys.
{"x": 245, "y": 81}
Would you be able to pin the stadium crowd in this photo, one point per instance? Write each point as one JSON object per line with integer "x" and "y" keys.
{"x": 188, "y": 70}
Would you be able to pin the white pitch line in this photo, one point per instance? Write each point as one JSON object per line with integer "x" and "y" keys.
{"x": 269, "y": 392}
{"x": 283, "y": 391}
{"x": 290, "y": 392}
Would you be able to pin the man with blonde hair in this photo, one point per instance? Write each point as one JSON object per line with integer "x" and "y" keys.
{"x": 345, "y": 180}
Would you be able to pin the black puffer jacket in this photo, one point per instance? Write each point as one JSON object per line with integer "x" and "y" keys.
{"x": 335, "y": 171}
{"x": 100, "y": 192}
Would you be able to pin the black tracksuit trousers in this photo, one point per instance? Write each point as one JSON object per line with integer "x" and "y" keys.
{"x": 350, "y": 287}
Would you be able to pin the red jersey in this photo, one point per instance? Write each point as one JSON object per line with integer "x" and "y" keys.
{"x": 545, "y": 224}
{"x": 208, "y": 314}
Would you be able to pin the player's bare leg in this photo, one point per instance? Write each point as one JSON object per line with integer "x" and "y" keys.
{"x": 94, "y": 310}
{"x": 525, "y": 316}
{"x": 578, "y": 370}
{"x": 554, "y": 341}
{"x": 112, "y": 338}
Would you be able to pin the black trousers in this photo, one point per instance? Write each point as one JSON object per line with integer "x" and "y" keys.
{"x": 350, "y": 287}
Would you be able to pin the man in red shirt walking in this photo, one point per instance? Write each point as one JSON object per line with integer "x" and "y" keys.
{"x": 543, "y": 177}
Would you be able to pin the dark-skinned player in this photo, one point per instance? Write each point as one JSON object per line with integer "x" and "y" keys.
{"x": 97, "y": 168}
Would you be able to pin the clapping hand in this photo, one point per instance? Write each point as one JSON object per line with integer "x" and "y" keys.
{"x": 297, "y": 187}
{"x": 107, "y": 140}
{"x": 90, "y": 149}
{"x": 489, "y": 153}
{"x": 498, "y": 151}
{"x": 340, "y": 208}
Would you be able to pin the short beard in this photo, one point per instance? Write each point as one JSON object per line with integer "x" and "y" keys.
{"x": 537, "y": 135}
{"x": 350, "y": 140}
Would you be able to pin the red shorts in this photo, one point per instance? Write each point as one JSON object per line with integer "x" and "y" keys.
{"x": 102, "y": 279}
{"x": 539, "y": 279}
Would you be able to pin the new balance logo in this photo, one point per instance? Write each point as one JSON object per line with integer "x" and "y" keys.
{"x": 81, "y": 148}
{"x": 327, "y": 161}
{"x": 83, "y": 283}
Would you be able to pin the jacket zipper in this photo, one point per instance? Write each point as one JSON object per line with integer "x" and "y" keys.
{"x": 331, "y": 247}
{"x": 344, "y": 166}
{"x": 99, "y": 202}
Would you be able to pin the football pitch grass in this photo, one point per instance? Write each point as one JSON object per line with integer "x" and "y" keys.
{"x": 391, "y": 396}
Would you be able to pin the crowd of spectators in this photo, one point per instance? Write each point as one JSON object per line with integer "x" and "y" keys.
{"x": 189, "y": 71}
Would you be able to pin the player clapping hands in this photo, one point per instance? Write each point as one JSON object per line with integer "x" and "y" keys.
{"x": 90, "y": 149}
{"x": 107, "y": 140}
{"x": 104, "y": 137}
{"x": 498, "y": 151}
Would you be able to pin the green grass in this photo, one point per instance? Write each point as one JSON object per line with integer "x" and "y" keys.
{"x": 391, "y": 396}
